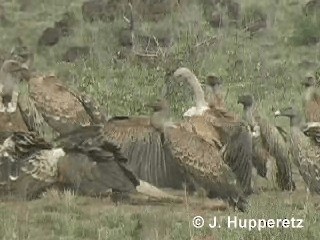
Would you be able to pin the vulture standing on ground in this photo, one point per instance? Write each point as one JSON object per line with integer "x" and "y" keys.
{"x": 305, "y": 153}
{"x": 311, "y": 99}
{"x": 216, "y": 126}
{"x": 216, "y": 99}
{"x": 50, "y": 108}
{"x": 199, "y": 159}
{"x": 143, "y": 143}
{"x": 84, "y": 161}
{"x": 11, "y": 73}
{"x": 269, "y": 146}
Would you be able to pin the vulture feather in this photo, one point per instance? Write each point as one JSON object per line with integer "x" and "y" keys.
{"x": 79, "y": 162}
{"x": 272, "y": 141}
{"x": 50, "y": 108}
{"x": 305, "y": 153}
{"x": 143, "y": 144}
{"x": 199, "y": 159}
{"x": 311, "y": 100}
{"x": 220, "y": 128}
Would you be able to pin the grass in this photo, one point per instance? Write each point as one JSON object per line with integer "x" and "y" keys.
{"x": 66, "y": 216}
{"x": 269, "y": 64}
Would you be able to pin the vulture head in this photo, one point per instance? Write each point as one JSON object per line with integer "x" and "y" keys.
{"x": 287, "y": 112}
{"x": 292, "y": 113}
{"x": 161, "y": 112}
{"x": 309, "y": 81}
{"x": 245, "y": 100}
{"x": 213, "y": 80}
{"x": 183, "y": 74}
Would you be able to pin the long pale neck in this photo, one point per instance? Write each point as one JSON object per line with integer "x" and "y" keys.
{"x": 158, "y": 119}
{"x": 198, "y": 91}
{"x": 248, "y": 114}
{"x": 215, "y": 97}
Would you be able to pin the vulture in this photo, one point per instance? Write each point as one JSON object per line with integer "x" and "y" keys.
{"x": 305, "y": 153}
{"x": 84, "y": 160}
{"x": 221, "y": 129}
{"x": 11, "y": 73}
{"x": 143, "y": 143}
{"x": 50, "y": 108}
{"x": 201, "y": 161}
{"x": 269, "y": 146}
{"x": 311, "y": 99}
{"x": 215, "y": 98}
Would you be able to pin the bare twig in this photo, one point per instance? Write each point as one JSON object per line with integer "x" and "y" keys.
{"x": 145, "y": 54}
{"x": 206, "y": 42}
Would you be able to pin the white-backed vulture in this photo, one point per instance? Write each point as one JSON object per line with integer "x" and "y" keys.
{"x": 50, "y": 108}
{"x": 216, "y": 99}
{"x": 144, "y": 145}
{"x": 311, "y": 99}
{"x": 199, "y": 159}
{"x": 269, "y": 143}
{"x": 216, "y": 126}
{"x": 83, "y": 160}
{"x": 305, "y": 153}
{"x": 11, "y": 73}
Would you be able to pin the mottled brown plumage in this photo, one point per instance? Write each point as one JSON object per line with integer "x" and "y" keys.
{"x": 199, "y": 159}
{"x": 271, "y": 140}
{"x": 305, "y": 153}
{"x": 143, "y": 143}
{"x": 49, "y": 106}
{"x": 311, "y": 99}
{"x": 83, "y": 160}
{"x": 213, "y": 123}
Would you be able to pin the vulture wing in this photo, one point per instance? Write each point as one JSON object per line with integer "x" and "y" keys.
{"x": 205, "y": 165}
{"x": 145, "y": 149}
{"x": 275, "y": 144}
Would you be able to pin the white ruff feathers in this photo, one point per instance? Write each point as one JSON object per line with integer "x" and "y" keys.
{"x": 44, "y": 166}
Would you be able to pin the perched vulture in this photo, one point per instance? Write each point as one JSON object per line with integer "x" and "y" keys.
{"x": 305, "y": 153}
{"x": 269, "y": 146}
{"x": 199, "y": 159}
{"x": 311, "y": 100}
{"x": 83, "y": 160}
{"x": 48, "y": 107}
{"x": 219, "y": 128}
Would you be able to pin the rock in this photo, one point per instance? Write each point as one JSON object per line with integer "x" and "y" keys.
{"x": 65, "y": 24}
{"x": 75, "y": 53}
{"x": 93, "y": 10}
{"x": 50, "y": 37}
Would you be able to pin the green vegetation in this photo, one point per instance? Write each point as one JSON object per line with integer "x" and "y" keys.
{"x": 269, "y": 63}
{"x": 65, "y": 216}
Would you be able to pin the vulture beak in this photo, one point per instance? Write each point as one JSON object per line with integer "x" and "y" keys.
{"x": 277, "y": 113}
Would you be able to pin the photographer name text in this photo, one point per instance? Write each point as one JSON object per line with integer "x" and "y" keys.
{"x": 234, "y": 222}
